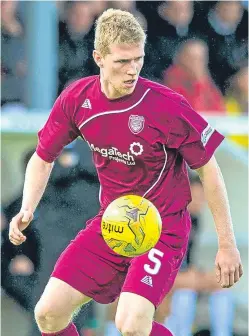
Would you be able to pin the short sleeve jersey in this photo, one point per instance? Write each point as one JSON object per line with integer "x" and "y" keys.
{"x": 141, "y": 143}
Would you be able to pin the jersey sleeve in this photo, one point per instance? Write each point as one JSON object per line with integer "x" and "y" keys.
{"x": 58, "y": 131}
{"x": 193, "y": 137}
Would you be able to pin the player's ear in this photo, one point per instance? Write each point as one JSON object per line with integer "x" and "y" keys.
{"x": 97, "y": 58}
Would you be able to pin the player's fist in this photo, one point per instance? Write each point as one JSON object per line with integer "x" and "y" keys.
{"x": 228, "y": 267}
{"x": 17, "y": 225}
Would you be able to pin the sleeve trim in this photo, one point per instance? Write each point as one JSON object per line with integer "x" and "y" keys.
{"x": 213, "y": 143}
{"x": 44, "y": 156}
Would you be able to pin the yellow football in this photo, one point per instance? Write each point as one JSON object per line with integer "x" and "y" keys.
{"x": 131, "y": 225}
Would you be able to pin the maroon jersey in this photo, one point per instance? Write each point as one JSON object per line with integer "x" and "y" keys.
{"x": 141, "y": 143}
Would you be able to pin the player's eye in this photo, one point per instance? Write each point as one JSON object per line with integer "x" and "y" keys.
{"x": 124, "y": 61}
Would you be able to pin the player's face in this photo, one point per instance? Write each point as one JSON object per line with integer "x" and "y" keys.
{"x": 120, "y": 69}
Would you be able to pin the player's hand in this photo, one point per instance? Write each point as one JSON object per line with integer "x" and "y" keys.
{"x": 17, "y": 225}
{"x": 228, "y": 267}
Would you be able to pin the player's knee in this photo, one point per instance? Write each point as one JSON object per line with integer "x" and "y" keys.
{"x": 46, "y": 317}
{"x": 135, "y": 325}
{"x": 44, "y": 314}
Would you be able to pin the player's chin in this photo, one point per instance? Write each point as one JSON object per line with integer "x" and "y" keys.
{"x": 127, "y": 90}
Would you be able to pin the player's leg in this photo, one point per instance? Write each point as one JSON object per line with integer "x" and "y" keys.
{"x": 86, "y": 269}
{"x": 140, "y": 295}
{"x": 150, "y": 277}
{"x": 134, "y": 317}
{"x": 54, "y": 311}
{"x": 134, "y": 314}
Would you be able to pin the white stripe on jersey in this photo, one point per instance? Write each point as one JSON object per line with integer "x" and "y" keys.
{"x": 112, "y": 112}
{"x": 100, "y": 191}
{"x": 160, "y": 175}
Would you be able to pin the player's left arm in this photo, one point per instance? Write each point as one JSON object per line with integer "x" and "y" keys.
{"x": 196, "y": 141}
{"x": 228, "y": 262}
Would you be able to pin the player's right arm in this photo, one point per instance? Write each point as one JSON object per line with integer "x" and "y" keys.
{"x": 36, "y": 179}
{"x": 58, "y": 131}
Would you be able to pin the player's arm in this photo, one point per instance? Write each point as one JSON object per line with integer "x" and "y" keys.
{"x": 228, "y": 262}
{"x": 36, "y": 179}
{"x": 216, "y": 196}
{"x": 196, "y": 141}
{"x": 58, "y": 131}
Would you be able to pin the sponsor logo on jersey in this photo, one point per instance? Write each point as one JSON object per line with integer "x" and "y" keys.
{"x": 136, "y": 123}
{"x": 113, "y": 153}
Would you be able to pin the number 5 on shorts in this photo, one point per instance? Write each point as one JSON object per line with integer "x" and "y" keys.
{"x": 152, "y": 255}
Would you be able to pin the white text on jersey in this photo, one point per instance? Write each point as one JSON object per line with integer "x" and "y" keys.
{"x": 114, "y": 154}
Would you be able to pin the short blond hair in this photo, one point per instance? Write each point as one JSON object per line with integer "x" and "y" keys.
{"x": 117, "y": 26}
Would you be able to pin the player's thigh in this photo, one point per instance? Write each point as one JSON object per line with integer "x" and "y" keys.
{"x": 134, "y": 311}
{"x": 152, "y": 275}
{"x": 91, "y": 267}
{"x": 59, "y": 299}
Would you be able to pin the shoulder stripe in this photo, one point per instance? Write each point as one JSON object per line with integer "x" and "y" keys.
{"x": 117, "y": 111}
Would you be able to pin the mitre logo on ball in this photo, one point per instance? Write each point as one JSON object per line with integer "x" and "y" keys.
{"x": 131, "y": 225}
{"x": 136, "y": 123}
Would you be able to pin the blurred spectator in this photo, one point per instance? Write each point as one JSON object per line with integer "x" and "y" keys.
{"x": 168, "y": 26}
{"x": 226, "y": 32}
{"x": 237, "y": 101}
{"x": 173, "y": 19}
{"x": 98, "y": 7}
{"x": 237, "y": 93}
{"x": 191, "y": 281}
{"x": 130, "y": 6}
{"x": 189, "y": 76}
{"x": 13, "y": 67}
{"x": 76, "y": 42}
{"x": 9, "y": 21}
{"x": 20, "y": 264}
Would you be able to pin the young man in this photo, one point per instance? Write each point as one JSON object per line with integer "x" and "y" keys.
{"x": 142, "y": 135}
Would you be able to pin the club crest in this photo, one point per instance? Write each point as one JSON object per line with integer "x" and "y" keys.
{"x": 136, "y": 123}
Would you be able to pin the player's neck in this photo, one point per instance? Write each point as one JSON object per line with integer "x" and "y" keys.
{"x": 109, "y": 91}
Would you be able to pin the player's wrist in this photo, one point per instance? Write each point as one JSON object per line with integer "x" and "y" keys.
{"x": 27, "y": 209}
{"x": 224, "y": 245}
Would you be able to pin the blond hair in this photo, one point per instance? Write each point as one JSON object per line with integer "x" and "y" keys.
{"x": 117, "y": 26}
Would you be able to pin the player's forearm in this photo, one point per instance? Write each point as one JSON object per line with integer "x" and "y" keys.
{"x": 36, "y": 179}
{"x": 216, "y": 196}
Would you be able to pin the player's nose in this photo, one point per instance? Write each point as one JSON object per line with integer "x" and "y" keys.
{"x": 133, "y": 70}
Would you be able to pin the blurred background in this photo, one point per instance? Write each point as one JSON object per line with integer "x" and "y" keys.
{"x": 197, "y": 48}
